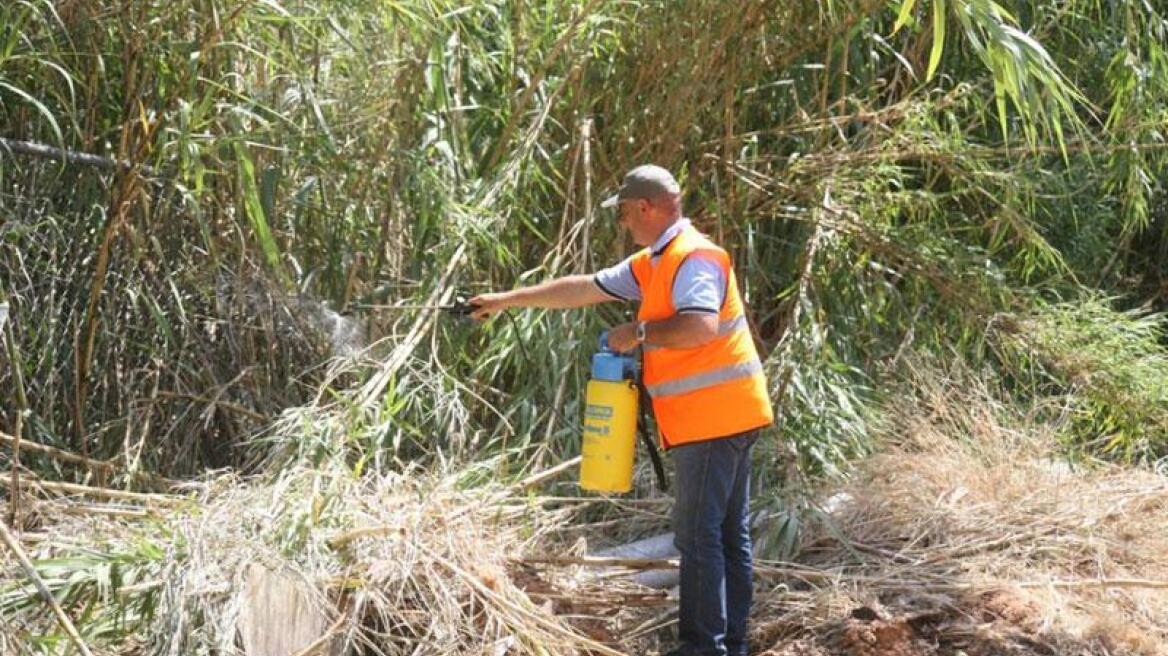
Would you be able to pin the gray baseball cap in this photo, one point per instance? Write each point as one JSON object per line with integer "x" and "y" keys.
{"x": 647, "y": 181}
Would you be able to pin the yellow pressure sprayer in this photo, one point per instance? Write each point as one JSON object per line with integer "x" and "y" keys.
{"x": 610, "y": 423}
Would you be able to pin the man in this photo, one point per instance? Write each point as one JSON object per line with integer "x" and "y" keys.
{"x": 707, "y": 388}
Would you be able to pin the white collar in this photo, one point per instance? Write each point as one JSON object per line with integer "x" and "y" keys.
{"x": 667, "y": 236}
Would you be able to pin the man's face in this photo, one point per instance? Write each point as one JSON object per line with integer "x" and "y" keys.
{"x": 635, "y": 216}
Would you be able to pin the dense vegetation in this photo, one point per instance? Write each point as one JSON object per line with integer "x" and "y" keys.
{"x": 949, "y": 219}
{"x": 957, "y": 180}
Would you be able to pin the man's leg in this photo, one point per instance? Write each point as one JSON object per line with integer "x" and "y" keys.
{"x": 705, "y": 476}
{"x": 737, "y": 549}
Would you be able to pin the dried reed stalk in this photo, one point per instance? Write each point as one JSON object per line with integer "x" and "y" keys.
{"x": 596, "y": 561}
{"x": 61, "y": 455}
{"x": 100, "y": 492}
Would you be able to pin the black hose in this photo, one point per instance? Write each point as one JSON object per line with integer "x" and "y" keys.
{"x": 646, "y": 410}
{"x": 518, "y": 338}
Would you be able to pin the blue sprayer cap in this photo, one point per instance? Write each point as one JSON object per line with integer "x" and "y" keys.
{"x": 610, "y": 365}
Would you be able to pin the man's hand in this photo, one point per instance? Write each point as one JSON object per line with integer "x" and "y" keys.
{"x": 488, "y": 305}
{"x": 623, "y": 338}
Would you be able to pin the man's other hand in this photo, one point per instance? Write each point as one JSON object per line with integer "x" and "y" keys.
{"x": 488, "y": 305}
{"x": 623, "y": 338}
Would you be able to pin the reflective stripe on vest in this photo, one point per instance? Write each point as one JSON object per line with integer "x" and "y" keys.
{"x": 724, "y": 328}
{"x": 704, "y": 379}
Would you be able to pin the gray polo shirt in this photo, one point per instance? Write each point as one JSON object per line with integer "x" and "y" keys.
{"x": 699, "y": 286}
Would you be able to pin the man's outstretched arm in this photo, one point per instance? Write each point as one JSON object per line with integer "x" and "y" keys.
{"x": 559, "y": 293}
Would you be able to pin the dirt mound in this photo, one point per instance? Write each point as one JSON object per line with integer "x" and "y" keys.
{"x": 876, "y": 637}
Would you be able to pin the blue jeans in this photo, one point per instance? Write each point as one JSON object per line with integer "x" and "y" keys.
{"x": 712, "y": 532}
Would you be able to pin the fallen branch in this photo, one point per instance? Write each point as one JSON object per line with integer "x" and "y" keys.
{"x": 104, "y": 493}
{"x": 536, "y": 479}
{"x": 108, "y": 511}
{"x": 55, "y": 453}
{"x": 595, "y": 561}
{"x": 1098, "y": 583}
{"x": 615, "y": 601}
{"x": 72, "y": 157}
{"x": 65, "y": 456}
{"x": 72, "y": 488}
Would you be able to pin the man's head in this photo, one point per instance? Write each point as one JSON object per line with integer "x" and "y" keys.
{"x": 649, "y": 200}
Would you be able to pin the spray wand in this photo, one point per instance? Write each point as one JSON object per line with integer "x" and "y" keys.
{"x": 461, "y": 308}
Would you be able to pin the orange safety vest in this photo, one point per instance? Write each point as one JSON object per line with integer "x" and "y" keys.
{"x": 714, "y": 390}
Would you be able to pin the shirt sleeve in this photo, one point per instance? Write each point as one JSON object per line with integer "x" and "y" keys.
{"x": 618, "y": 281}
{"x": 700, "y": 286}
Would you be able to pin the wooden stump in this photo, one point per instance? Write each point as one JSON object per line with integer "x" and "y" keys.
{"x": 280, "y": 617}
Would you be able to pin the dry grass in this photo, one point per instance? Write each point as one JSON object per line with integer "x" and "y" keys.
{"x": 968, "y": 534}
{"x": 323, "y": 560}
